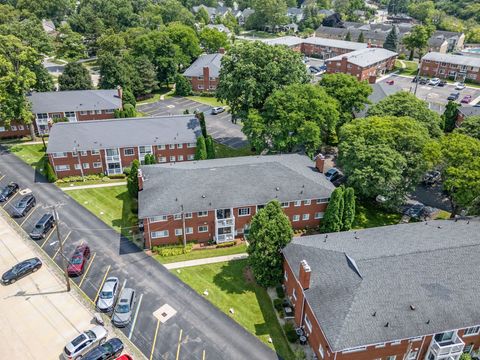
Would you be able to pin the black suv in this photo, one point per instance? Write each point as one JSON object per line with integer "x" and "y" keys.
{"x": 24, "y": 205}
{"x": 42, "y": 227}
{"x": 8, "y": 191}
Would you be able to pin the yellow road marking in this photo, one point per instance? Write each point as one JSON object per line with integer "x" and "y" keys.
{"x": 28, "y": 216}
{"x": 101, "y": 284}
{"x": 48, "y": 237}
{"x": 88, "y": 268}
{"x": 203, "y": 355}
{"x": 63, "y": 243}
{"x": 2, "y": 177}
{"x": 179, "y": 343}
{"x": 154, "y": 340}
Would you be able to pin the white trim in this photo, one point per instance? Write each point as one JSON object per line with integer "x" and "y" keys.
{"x": 244, "y": 208}
{"x": 159, "y": 234}
{"x": 203, "y": 228}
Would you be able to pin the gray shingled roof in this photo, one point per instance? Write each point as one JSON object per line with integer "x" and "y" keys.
{"x": 342, "y": 44}
{"x": 74, "y": 100}
{"x": 283, "y": 40}
{"x": 365, "y": 57}
{"x": 380, "y": 91}
{"x": 212, "y": 61}
{"x": 106, "y": 134}
{"x": 231, "y": 182}
{"x": 433, "y": 266}
{"x": 469, "y": 110}
{"x": 452, "y": 59}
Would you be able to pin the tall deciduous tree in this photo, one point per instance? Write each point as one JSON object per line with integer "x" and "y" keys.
{"x": 361, "y": 38}
{"x": 348, "y": 208}
{"x": 268, "y": 14}
{"x": 69, "y": 44}
{"x": 212, "y": 40}
{"x": 417, "y": 39}
{"x": 391, "y": 42}
{"x": 144, "y": 77}
{"x": 449, "y": 116}
{"x": 201, "y": 150}
{"x": 470, "y": 126}
{"x": 75, "y": 76}
{"x": 270, "y": 232}
{"x": 333, "y": 219}
{"x": 251, "y": 71}
{"x": 210, "y": 147}
{"x": 182, "y": 86}
{"x": 185, "y": 38}
{"x": 114, "y": 71}
{"x": 132, "y": 181}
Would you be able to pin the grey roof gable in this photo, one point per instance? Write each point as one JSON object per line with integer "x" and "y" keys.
{"x": 115, "y": 133}
{"x": 433, "y": 266}
{"x": 74, "y": 100}
{"x": 212, "y": 61}
{"x": 225, "y": 183}
{"x": 452, "y": 59}
{"x": 365, "y": 57}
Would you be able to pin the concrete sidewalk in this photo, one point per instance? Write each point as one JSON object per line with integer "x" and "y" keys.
{"x": 80, "y": 187}
{"x": 212, "y": 260}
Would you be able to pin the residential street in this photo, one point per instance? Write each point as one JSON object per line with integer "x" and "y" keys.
{"x": 196, "y": 329}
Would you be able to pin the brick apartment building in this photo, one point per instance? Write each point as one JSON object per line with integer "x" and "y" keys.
{"x": 448, "y": 66}
{"x": 401, "y": 292}
{"x": 365, "y": 64}
{"x": 465, "y": 112}
{"x": 204, "y": 72}
{"x": 73, "y": 105}
{"x": 108, "y": 146}
{"x": 216, "y": 199}
{"x": 14, "y": 130}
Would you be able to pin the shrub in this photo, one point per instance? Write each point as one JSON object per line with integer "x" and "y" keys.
{"x": 182, "y": 86}
{"x": 49, "y": 173}
{"x": 278, "y": 304}
{"x": 173, "y": 250}
{"x": 127, "y": 171}
{"x": 280, "y": 292}
{"x": 226, "y": 244}
{"x": 290, "y": 332}
{"x": 402, "y": 57}
{"x": 117, "y": 176}
{"x": 69, "y": 179}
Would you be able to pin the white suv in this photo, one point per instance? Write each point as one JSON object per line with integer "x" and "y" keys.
{"x": 84, "y": 342}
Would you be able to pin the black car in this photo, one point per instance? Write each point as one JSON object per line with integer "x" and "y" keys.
{"x": 108, "y": 350}
{"x": 24, "y": 205}
{"x": 415, "y": 211}
{"x": 453, "y": 96}
{"x": 43, "y": 225}
{"x": 8, "y": 191}
{"x": 423, "y": 81}
{"x": 442, "y": 83}
{"x": 20, "y": 270}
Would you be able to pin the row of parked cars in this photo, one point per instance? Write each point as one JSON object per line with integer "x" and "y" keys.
{"x": 441, "y": 83}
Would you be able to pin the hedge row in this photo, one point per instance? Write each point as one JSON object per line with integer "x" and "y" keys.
{"x": 226, "y": 244}
{"x": 173, "y": 250}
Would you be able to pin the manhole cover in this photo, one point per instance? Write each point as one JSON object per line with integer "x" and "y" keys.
{"x": 164, "y": 313}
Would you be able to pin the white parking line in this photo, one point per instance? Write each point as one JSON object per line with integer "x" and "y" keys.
{"x": 135, "y": 317}
{"x": 123, "y": 286}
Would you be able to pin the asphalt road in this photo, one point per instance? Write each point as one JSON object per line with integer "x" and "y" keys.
{"x": 220, "y": 126}
{"x": 196, "y": 331}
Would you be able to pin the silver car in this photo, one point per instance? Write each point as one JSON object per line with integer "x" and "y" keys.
{"x": 122, "y": 315}
{"x": 84, "y": 342}
{"x": 108, "y": 295}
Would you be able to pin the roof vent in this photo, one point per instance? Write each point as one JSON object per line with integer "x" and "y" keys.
{"x": 428, "y": 321}
{"x": 439, "y": 227}
{"x": 353, "y": 265}
{"x": 387, "y": 324}
{"x": 277, "y": 188}
{"x": 203, "y": 196}
{"x": 374, "y": 314}
{"x": 412, "y": 307}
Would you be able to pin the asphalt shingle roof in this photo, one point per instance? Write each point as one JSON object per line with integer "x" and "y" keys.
{"x": 226, "y": 183}
{"x": 434, "y": 266}
{"x": 74, "y": 100}
{"x": 452, "y": 59}
{"x": 379, "y": 92}
{"x": 284, "y": 40}
{"x": 212, "y": 61}
{"x": 365, "y": 57}
{"x": 469, "y": 110}
{"x": 341, "y": 44}
{"x": 106, "y": 134}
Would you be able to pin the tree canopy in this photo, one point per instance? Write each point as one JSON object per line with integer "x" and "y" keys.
{"x": 417, "y": 39}
{"x": 470, "y": 126}
{"x": 75, "y": 76}
{"x": 212, "y": 39}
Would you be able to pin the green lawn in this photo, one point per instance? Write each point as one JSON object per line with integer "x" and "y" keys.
{"x": 224, "y": 151}
{"x": 228, "y": 288}
{"x": 166, "y": 92}
{"x": 202, "y": 254}
{"x": 410, "y": 69}
{"x": 207, "y": 100}
{"x": 33, "y": 155}
{"x": 369, "y": 215}
{"x": 113, "y": 205}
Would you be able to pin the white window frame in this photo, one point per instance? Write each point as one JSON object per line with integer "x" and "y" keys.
{"x": 160, "y": 218}
{"x": 60, "y": 168}
{"x": 13, "y": 127}
{"x": 59, "y": 155}
{"x": 294, "y": 294}
{"x": 285, "y": 275}
{"x": 323, "y": 200}
{"x": 97, "y": 165}
{"x": 95, "y": 152}
{"x": 188, "y": 215}
{"x": 202, "y": 213}
{"x": 295, "y": 218}
{"x": 319, "y": 215}
{"x": 160, "y": 147}
{"x": 189, "y": 230}
{"x": 172, "y": 158}
{"x": 177, "y": 216}
{"x": 159, "y": 234}
{"x": 307, "y": 202}
{"x": 180, "y": 158}
{"x": 471, "y": 331}
{"x": 297, "y": 203}
{"x": 190, "y": 157}
{"x": 245, "y": 211}
{"x": 162, "y": 159}
{"x": 171, "y": 146}
{"x": 203, "y": 228}
{"x": 179, "y": 146}
{"x": 83, "y": 153}
{"x": 109, "y": 111}
{"x": 191, "y": 145}
{"x": 132, "y": 150}
{"x": 178, "y": 232}
{"x": 83, "y": 112}
{"x": 321, "y": 351}
{"x": 285, "y": 204}
{"x": 21, "y": 127}
{"x": 86, "y": 166}
{"x": 308, "y": 323}
{"x": 77, "y": 166}
{"x": 305, "y": 217}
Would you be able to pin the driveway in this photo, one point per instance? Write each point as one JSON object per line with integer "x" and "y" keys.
{"x": 219, "y": 126}
{"x": 188, "y": 327}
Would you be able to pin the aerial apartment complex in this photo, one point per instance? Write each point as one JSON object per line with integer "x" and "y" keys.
{"x": 448, "y": 66}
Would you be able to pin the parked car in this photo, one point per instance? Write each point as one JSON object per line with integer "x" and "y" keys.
{"x": 85, "y": 341}
{"x": 323, "y": 68}
{"x": 466, "y": 99}
{"x": 442, "y": 83}
{"x": 423, "y": 81}
{"x": 390, "y": 82}
{"x": 108, "y": 295}
{"x": 414, "y": 211}
{"x": 20, "y": 270}
{"x": 453, "y": 96}
{"x": 460, "y": 86}
{"x": 434, "y": 81}
{"x": 432, "y": 177}
{"x": 25, "y": 204}
{"x": 78, "y": 260}
{"x": 107, "y": 351}
{"x": 8, "y": 191}
{"x": 217, "y": 110}
{"x": 122, "y": 315}
{"x": 124, "y": 357}
{"x": 333, "y": 174}
{"x": 313, "y": 69}
{"x": 42, "y": 227}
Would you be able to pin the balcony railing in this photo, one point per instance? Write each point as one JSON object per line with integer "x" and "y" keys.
{"x": 114, "y": 171}
{"x": 224, "y": 238}
{"x": 447, "y": 348}
{"x": 225, "y": 222}
{"x": 113, "y": 158}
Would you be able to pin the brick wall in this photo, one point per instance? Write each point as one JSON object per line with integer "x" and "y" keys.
{"x": 323, "y": 51}
{"x": 15, "y": 130}
{"x": 204, "y": 83}
{"x": 92, "y": 115}
{"x": 361, "y": 73}
{"x": 436, "y": 69}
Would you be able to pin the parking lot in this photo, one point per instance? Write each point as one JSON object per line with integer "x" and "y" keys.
{"x": 219, "y": 126}
{"x": 436, "y": 96}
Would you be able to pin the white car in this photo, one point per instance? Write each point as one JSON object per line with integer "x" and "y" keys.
{"x": 460, "y": 86}
{"x": 434, "y": 81}
{"x": 84, "y": 342}
{"x": 108, "y": 295}
{"x": 217, "y": 110}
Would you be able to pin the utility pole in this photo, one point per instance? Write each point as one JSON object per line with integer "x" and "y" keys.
{"x": 417, "y": 77}
{"x": 183, "y": 230}
{"x": 64, "y": 263}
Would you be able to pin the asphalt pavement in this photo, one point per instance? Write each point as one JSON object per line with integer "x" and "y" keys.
{"x": 195, "y": 330}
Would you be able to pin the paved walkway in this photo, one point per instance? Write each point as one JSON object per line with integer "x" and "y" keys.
{"x": 212, "y": 260}
{"x": 80, "y": 187}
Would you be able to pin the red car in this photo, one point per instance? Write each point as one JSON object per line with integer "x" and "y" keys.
{"x": 390, "y": 82}
{"x": 124, "y": 357}
{"x": 466, "y": 99}
{"x": 78, "y": 260}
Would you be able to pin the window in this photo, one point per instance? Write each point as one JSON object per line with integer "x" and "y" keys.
{"x": 74, "y": 153}
{"x": 62, "y": 167}
{"x": 202, "y": 213}
{"x": 391, "y": 357}
{"x": 203, "y": 228}
{"x": 86, "y": 165}
{"x": 98, "y": 111}
{"x": 319, "y": 215}
{"x": 21, "y": 127}
{"x": 294, "y": 294}
{"x": 180, "y": 158}
{"x": 77, "y": 166}
{"x": 308, "y": 323}
{"x": 189, "y": 230}
{"x": 396, "y": 343}
{"x": 95, "y": 152}
{"x": 379, "y": 346}
{"x": 412, "y": 355}
{"x": 306, "y": 217}
{"x": 160, "y": 147}
{"x": 109, "y": 111}
{"x": 244, "y": 211}
{"x": 179, "y": 146}
{"x": 188, "y": 215}
{"x": 472, "y": 331}
{"x": 177, "y": 217}
{"x": 42, "y": 116}
{"x": 171, "y": 146}
{"x": 83, "y": 153}
{"x": 191, "y": 145}
{"x": 172, "y": 158}
{"x": 285, "y": 204}
{"x": 83, "y": 112}
{"x": 97, "y": 165}
{"x": 2, "y": 128}
{"x": 212, "y": 87}
{"x": 200, "y": 87}
{"x": 162, "y": 159}
{"x": 323, "y": 200}
{"x": 13, "y": 128}
{"x": 307, "y": 202}
{"x": 297, "y": 203}
{"x": 285, "y": 275}
{"x": 320, "y": 350}
{"x": 59, "y": 155}
{"x": 467, "y": 349}
{"x": 158, "y": 218}
{"x": 190, "y": 157}
{"x": 70, "y": 114}
{"x": 129, "y": 152}
{"x": 178, "y": 232}
{"x": 159, "y": 234}
{"x": 296, "y": 218}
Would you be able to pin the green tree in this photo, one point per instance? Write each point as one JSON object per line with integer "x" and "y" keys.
{"x": 144, "y": 77}
{"x": 202, "y": 16}
{"x": 348, "y": 37}
{"x": 268, "y": 14}
{"x": 185, "y": 38}
{"x": 417, "y": 39}
{"x": 174, "y": 11}
{"x": 348, "y": 91}
{"x": 333, "y": 219}
{"x": 383, "y": 156}
{"x": 210, "y": 147}
{"x": 183, "y": 87}
{"x": 213, "y": 39}
{"x": 465, "y": 356}
{"x": 251, "y": 71}
{"x": 43, "y": 79}
{"x": 404, "y": 103}
{"x": 49, "y": 173}
{"x": 398, "y": 6}
{"x": 348, "y": 208}
{"x": 270, "y": 232}
{"x": 422, "y": 10}
{"x": 75, "y": 76}
{"x": 114, "y": 71}
{"x": 201, "y": 150}
{"x": 47, "y": 9}
{"x": 128, "y": 111}
{"x": 449, "y": 116}
{"x": 470, "y": 126}
{"x": 132, "y": 180}
{"x": 391, "y": 42}
{"x": 361, "y": 38}
{"x": 69, "y": 44}
{"x": 203, "y": 124}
